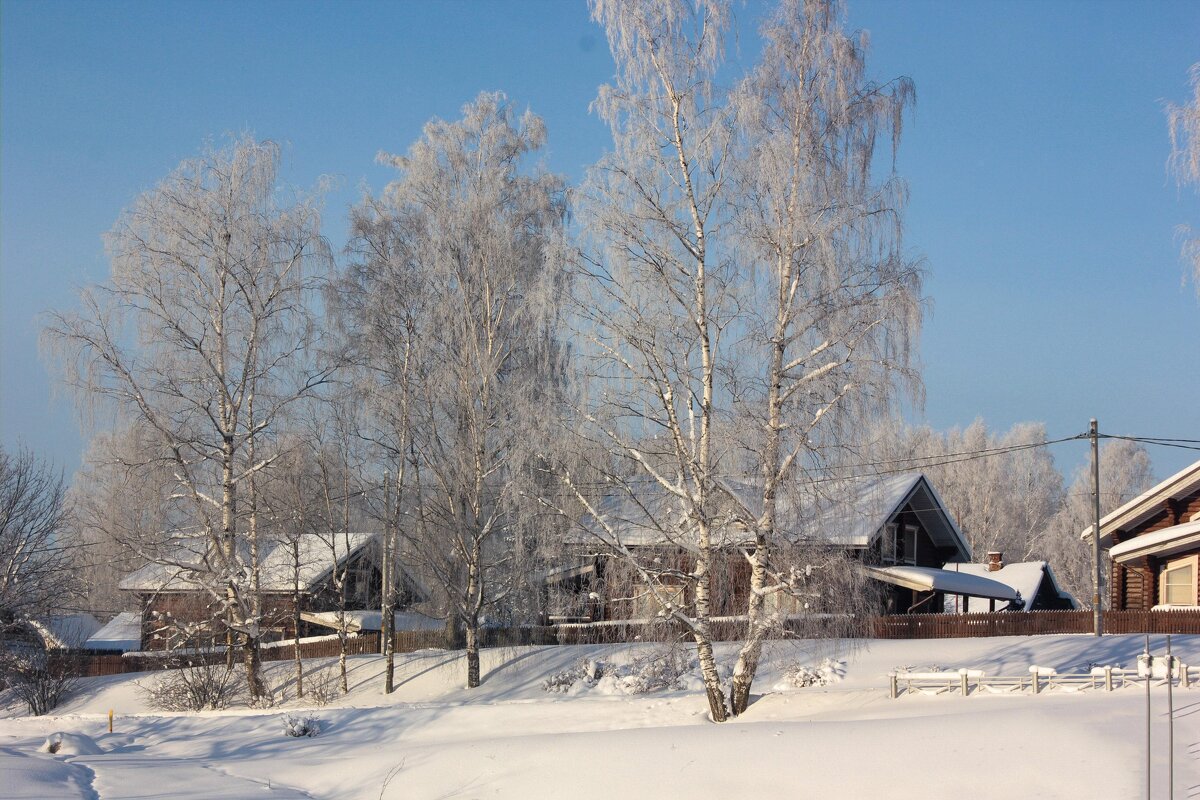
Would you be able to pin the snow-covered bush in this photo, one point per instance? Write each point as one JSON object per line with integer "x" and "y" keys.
{"x": 197, "y": 685}
{"x": 661, "y": 669}
{"x": 586, "y": 671}
{"x": 301, "y": 726}
{"x": 801, "y": 675}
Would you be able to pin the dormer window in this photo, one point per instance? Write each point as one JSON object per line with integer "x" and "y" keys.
{"x": 899, "y": 544}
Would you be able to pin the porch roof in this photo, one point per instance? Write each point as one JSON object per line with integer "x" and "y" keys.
{"x": 1166, "y": 542}
{"x": 931, "y": 579}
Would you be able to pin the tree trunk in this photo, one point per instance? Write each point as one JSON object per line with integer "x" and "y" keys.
{"x": 702, "y": 633}
{"x": 296, "y": 616}
{"x": 472, "y": 653}
{"x": 253, "y": 660}
{"x": 757, "y": 629}
{"x": 343, "y": 641}
{"x": 387, "y": 625}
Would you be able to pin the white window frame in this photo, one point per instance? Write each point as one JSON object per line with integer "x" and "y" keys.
{"x": 1189, "y": 563}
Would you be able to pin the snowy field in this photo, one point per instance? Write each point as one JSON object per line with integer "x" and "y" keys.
{"x": 512, "y": 738}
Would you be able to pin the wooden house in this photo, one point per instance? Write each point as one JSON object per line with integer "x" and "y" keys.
{"x": 896, "y": 526}
{"x": 1154, "y": 543}
{"x": 177, "y": 609}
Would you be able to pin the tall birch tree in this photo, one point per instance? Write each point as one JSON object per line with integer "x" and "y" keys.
{"x": 203, "y": 335}
{"x": 834, "y": 300}
{"x": 469, "y": 235}
{"x": 655, "y": 282}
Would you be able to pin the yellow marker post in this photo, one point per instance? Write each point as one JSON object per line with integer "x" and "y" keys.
{"x": 110, "y": 720}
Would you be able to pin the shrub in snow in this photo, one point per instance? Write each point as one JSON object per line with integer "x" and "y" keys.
{"x": 802, "y": 675}
{"x": 585, "y": 671}
{"x": 661, "y": 670}
{"x": 321, "y": 687}
{"x": 301, "y": 726}
{"x": 39, "y": 679}
{"x": 664, "y": 669}
{"x": 199, "y": 684}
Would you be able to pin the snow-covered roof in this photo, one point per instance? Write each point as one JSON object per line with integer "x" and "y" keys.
{"x": 61, "y": 631}
{"x": 123, "y": 632}
{"x": 372, "y": 620}
{"x": 857, "y": 513}
{"x": 1160, "y": 543}
{"x": 849, "y": 513}
{"x": 1025, "y": 577}
{"x": 642, "y": 514}
{"x": 314, "y": 553}
{"x": 1147, "y": 504}
{"x": 929, "y": 579}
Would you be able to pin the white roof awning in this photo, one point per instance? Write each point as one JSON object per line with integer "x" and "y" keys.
{"x": 1160, "y": 543}
{"x": 931, "y": 579}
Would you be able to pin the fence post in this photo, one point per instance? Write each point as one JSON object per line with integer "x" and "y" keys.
{"x": 892, "y": 682}
{"x": 1108, "y": 679}
{"x": 1034, "y": 673}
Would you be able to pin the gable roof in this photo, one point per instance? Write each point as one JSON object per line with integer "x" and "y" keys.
{"x": 857, "y": 514}
{"x": 315, "y": 559}
{"x": 1147, "y": 504}
{"x": 850, "y": 513}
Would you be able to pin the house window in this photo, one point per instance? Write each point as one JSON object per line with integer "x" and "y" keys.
{"x": 888, "y": 545}
{"x": 910, "y": 544}
{"x": 1178, "y": 582}
{"x": 899, "y": 544}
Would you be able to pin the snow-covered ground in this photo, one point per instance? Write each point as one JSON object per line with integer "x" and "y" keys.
{"x": 513, "y": 738}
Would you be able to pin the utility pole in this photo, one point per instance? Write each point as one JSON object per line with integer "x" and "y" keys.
{"x": 1149, "y": 661}
{"x": 1170, "y": 724}
{"x": 1097, "y": 612}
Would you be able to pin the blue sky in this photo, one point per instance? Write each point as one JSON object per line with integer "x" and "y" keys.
{"x": 1035, "y": 158}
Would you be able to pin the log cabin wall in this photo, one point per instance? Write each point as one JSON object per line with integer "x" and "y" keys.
{"x": 1134, "y": 586}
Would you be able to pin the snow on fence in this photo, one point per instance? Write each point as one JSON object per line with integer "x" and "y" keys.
{"x": 1040, "y": 679}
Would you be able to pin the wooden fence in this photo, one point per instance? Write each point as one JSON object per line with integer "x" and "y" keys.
{"x": 1031, "y": 623}
{"x": 908, "y": 626}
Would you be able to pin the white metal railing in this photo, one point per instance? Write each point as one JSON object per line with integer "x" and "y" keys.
{"x": 1039, "y": 679}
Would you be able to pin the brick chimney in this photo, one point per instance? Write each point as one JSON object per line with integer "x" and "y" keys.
{"x": 995, "y": 561}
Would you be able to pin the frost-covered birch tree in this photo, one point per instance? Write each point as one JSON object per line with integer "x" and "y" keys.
{"x": 1184, "y": 125}
{"x": 383, "y": 304}
{"x": 833, "y": 301}
{"x": 656, "y": 280}
{"x": 750, "y": 301}
{"x": 204, "y": 335}
{"x": 468, "y": 234}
